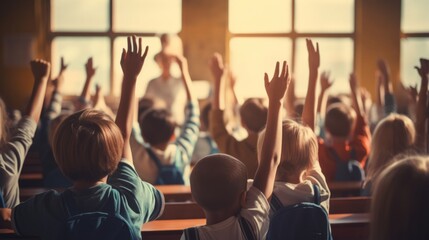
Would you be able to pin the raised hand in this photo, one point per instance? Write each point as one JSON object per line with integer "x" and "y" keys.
{"x": 89, "y": 68}
{"x": 383, "y": 68}
{"x": 313, "y": 56}
{"x": 132, "y": 59}
{"x": 353, "y": 83}
{"x": 325, "y": 81}
{"x": 412, "y": 93}
{"x": 276, "y": 88}
{"x": 182, "y": 62}
{"x": 216, "y": 66}
{"x": 40, "y": 69}
{"x": 63, "y": 66}
{"x": 423, "y": 70}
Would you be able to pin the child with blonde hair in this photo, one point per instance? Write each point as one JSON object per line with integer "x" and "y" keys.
{"x": 94, "y": 152}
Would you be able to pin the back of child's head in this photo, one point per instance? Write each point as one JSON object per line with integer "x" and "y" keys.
{"x": 253, "y": 114}
{"x": 339, "y": 120}
{"x": 87, "y": 146}
{"x": 217, "y": 182}
{"x": 157, "y": 126}
{"x": 53, "y": 126}
{"x": 3, "y": 124}
{"x": 299, "y": 149}
{"x": 400, "y": 209}
{"x": 393, "y": 135}
{"x": 204, "y": 116}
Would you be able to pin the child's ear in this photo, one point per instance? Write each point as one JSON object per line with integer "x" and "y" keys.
{"x": 243, "y": 199}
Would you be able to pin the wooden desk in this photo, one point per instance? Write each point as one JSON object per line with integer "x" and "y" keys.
{"x": 349, "y": 205}
{"x": 175, "y": 193}
{"x": 30, "y": 179}
{"x": 345, "y": 189}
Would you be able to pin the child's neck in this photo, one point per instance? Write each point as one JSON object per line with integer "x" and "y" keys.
{"x": 82, "y": 185}
{"x": 219, "y": 216}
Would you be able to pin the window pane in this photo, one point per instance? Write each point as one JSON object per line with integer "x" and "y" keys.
{"x": 412, "y": 49}
{"x": 324, "y": 16}
{"x": 147, "y": 15}
{"x": 255, "y": 16}
{"x": 150, "y": 69}
{"x": 415, "y": 17}
{"x": 336, "y": 56}
{"x": 80, "y": 15}
{"x": 76, "y": 51}
{"x": 252, "y": 57}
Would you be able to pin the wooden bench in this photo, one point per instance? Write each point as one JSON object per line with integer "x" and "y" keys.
{"x": 344, "y": 226}
{"x": 349, "y": 205}
{"x": 345, "y": 189}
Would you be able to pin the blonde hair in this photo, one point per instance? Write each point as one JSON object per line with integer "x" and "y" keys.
{"x": 393, "y": 135}
{"x": 87, "y": 145}
{"x": 399, "y": 207}
{"x": 299, "y": 149}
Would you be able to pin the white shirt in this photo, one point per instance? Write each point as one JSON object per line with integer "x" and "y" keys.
{"x": 173, "y": 92}
{"x": 256, "y": 213}
{"x": 290, "y": 194}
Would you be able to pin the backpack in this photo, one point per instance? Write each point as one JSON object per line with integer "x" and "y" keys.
{"x": 106, "y": 224}
{"x": 300, "y": 221}
{"x": 167, "y": 174}
{"x": 349, "y": 170}
{"x": 246, "y": 229}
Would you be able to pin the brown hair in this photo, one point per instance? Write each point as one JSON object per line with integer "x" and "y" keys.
{"x": 339, "y": 120}
{"x": 253, "y": 114}
{"x": 3, "y": 124}
{"x": 399, "y": 209}
{"x": 87, "y": 145}
{"x": 157, "y": 126}
{"x": 217, "y": 181}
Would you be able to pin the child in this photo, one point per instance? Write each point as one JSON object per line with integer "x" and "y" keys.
{"x": 347, "y": 135}
{"x": 218, "y": 182}
{"x": 399, "y": 209}
{"x": 299, "y": 168}
{"x": 13, "y": 151}
{"x": 253, "y": 116}
{"x": 88, "y": 147}
{"x": 157, "y": 128}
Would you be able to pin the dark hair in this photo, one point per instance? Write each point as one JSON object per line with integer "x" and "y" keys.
{"x": 204, "y": 115}
{"x": 339, "y": 120}
{"x": 157, "y": 126}
{"x": 253, "y": 114}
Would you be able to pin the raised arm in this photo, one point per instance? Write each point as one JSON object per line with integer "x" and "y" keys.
{"x": 325, "y": 84}
{"x": 41, "y": 70}
{"x": 217, "y": 68}
{"x": 132, "y": 61}
{"x": 389, "y": 100}
{"x": 356, "y": 98}
{"x": 421, "y": 113}
{"x": 186, "y": 78}
{"x": 308, "y": 114}
{"x": 271, "y": 147}
{"x": 85, "y": 96}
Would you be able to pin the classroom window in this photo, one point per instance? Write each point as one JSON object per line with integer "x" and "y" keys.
{"x": 98, "y": 28}
{"x": 415, "y": 38}
{"x": 263, "y": 33}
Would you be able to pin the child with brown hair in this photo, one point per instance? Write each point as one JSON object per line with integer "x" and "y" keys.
{"x": 253, "y": 118}
{"x": 88, "y": 147}
{"x": 219, "y": 181}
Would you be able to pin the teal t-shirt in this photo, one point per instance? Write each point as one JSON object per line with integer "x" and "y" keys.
{"x": 45, "y": 215}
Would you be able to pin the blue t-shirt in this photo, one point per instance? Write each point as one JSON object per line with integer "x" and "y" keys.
{"x": 45, "y": 215}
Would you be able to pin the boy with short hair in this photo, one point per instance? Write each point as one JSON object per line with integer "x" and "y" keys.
{"x": 253, "y": 118}
{"x": 157, "y": 127}
{"x": 218, "y": 182}
{"x": 88, "y": 147}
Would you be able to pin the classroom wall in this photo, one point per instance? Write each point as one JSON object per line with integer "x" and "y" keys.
{"x": 204, "y": 31}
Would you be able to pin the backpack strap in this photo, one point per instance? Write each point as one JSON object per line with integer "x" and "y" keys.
{"x": 191, "y": 233}
{"x": 246, "y": 228}
{"x": 275, "y": 203}
{"x": 316, "y": 194}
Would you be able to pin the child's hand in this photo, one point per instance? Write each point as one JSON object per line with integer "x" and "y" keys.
{"x": 89, "y": 68}
{"x": 325, "y": 82}
{"x": 63, "y": 66}
{"x": 276, "y": 89}
{"x": 353, "y": 83}
{"x": 216, "y": 66}
{"x": 313, "y": 56}
{"x": 40, "y": 69}
{"x": 132, "y": 60}
{"x": 423, "y": 70}
{"x": 182, "y": 62}
{"x": 384, "y": 68}
{"x": 412, "y": 93}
